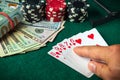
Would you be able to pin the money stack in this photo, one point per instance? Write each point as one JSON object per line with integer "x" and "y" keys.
{"x": 28, "y": 37}
{"x": 14, "y": 1}
{"x": 10, "y": 16}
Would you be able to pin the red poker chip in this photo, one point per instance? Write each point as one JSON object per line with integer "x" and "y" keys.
{"x": 48, "y": 1}
{"x": 55, "y": 10}
{"x": 60, "y": 14}
{"x": 49, "y": 11}
{"x": 54, "y": 19}
{"x": 56, "y": 5}
{"x": 57, "y": 14}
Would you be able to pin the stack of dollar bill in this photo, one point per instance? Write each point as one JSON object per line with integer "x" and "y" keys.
{"x": 29, "y": 37}
{"x": 13, "y": 1}
{"x": 13, "y": 11}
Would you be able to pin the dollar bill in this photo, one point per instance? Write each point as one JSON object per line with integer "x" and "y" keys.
{"x": 25, "y": 40}
{"x": 55, "y": 34}
{"x": 50, "y": 39}
{"x": 14, "y": 1}
{"x": 9, "y": 47}
{"x": 35, "y": 48}
{"x": 14, "y": 14}
{"x": 37, "y": 34}
{"x": 15, "y": 47}
{"x": 7, "y": 44}
{"x": 41, "y": 35}
{"x": 45, "y": 24}
{"x": 3, "y": 49}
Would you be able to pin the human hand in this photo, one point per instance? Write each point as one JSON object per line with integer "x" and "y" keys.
{"x": 105, "y": 61}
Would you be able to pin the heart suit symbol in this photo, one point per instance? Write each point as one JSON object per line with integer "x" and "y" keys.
{"x": 91, "y": 36}
{"x": 78, "y": 41}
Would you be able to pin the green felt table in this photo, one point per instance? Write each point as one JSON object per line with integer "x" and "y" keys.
{"x": 38, "y": 65}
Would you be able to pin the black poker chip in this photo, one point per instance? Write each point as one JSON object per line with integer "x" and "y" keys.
{"x": 33, "y": 12}
{"x": 32, "y": 1}
{"x": 77, "y": 10}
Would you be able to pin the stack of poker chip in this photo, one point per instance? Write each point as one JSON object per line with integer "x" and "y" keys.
{"x": 33, "y": 10}
{"x": 77, "y": 10}
{"x": 55, "y": 10}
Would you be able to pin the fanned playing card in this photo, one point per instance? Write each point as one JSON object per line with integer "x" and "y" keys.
{"x": 63, "y": 51}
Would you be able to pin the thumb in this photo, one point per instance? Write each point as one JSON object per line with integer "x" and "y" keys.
{"x": 99, "y": 69}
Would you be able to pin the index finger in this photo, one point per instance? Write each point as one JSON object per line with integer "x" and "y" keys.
{"x": 94, "y": 52}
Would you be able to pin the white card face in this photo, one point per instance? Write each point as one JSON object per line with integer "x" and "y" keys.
{"x": 94, "y": 36}
{"x": 60, "y": 57}
{"x": 80, "y": 63}
{"x": 57, "y": 55}
{"x": 63, "y": 51}
{"x": 60, "y": 46}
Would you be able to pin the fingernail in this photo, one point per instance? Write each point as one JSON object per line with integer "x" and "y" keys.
{"x": 92, "y": 67}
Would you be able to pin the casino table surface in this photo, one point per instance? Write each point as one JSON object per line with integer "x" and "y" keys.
{"x": 38, "y": 65}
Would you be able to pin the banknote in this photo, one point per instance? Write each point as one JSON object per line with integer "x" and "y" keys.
{"x": 36, "y": 33}
{"x": 44, "y": 24}
{"x": 14, "y": 1}
{"x": 16, "y": 48}
{"x": 55, "y": 34}
{"x": 9, "y": 47}
{"x": 3, "y": 49}
{"x": 26, "y": 38}
{"x": 50, "y": 39}
{"x": 9, "y": 18}
{"x": 42, "y": 34}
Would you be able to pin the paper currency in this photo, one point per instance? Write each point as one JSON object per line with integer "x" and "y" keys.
{"x": 10, "y": 16}
{"x": 14, "y": 1}
{"x": 23, "y": 41}
{"x": 26, "y": 38}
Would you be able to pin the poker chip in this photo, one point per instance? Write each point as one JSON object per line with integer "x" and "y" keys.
{"x": 33, "y": 12}
{"x": 55, "y": 10}
{"x": 77, "y": 10}
{"x": 32, "y": 1}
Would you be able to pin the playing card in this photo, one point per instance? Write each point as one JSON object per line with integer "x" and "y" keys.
{"x": 60, "y": 57}
{"x": 70, "y": 58}
{"x": 94, "y": 36}
{"x": 60, "y": 46}
{"x": 80, "y": 63}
